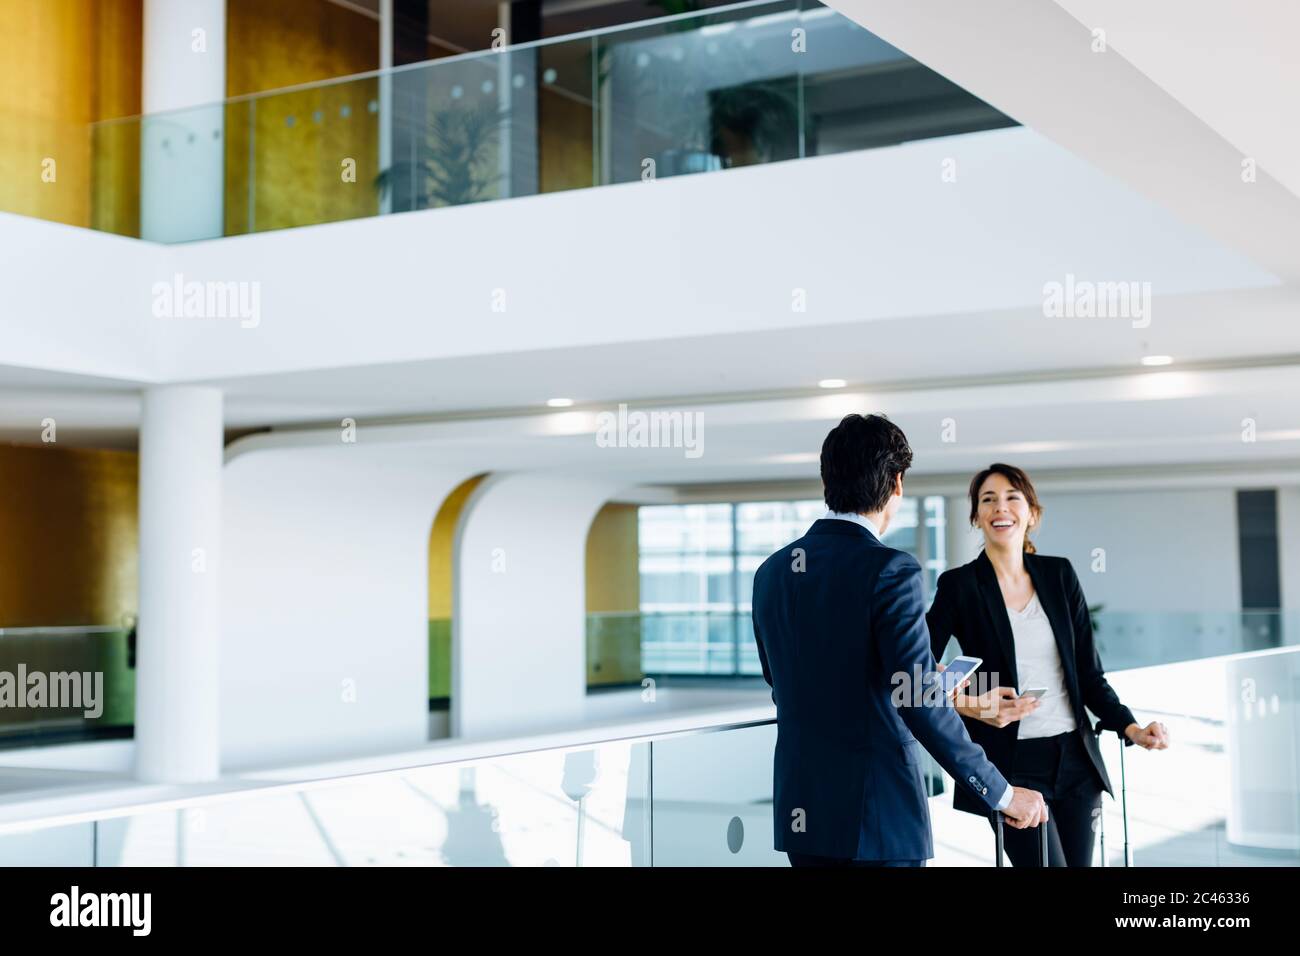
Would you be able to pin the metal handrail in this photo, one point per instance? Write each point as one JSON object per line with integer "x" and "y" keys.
{"x": 62, "y": 630}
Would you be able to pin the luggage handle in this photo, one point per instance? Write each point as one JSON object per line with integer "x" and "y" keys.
{"x": 1042, "y": 829}
{"x": 1123, "y": 802}
{"x": 1042, "y": 838}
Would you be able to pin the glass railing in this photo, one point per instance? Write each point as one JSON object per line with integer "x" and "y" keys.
{"x": 68, "y": 684}
{"x": 1225, "y": 793}
{"x": 622, "y": 649}
{"x": 1128, "y": 639}
{"x": 721, "y": 643}
{"x": 741, "y": 85}
{"x": 588, "y": 806}
{"x": 687, "y": 643}
{"x": 103, "y": 661}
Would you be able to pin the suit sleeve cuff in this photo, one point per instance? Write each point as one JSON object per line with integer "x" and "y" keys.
{"x": 1006, "y": 798}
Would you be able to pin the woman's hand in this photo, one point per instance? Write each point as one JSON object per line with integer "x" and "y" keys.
{"x": 1154, "y": 736}
{"x": 998, "y": 707}
{"x": 959, "y": 688}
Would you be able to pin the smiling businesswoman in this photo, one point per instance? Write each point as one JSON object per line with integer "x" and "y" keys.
{"x": 1026, "y": 616}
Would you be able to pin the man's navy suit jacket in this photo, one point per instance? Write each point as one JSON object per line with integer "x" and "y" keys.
{"x": 839, "y": 619}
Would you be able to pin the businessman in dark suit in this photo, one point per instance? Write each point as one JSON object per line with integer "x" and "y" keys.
{"x": 840, "y": 623}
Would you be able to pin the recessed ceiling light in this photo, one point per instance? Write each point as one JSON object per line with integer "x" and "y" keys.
{"x": 832, "y": 383}
{"x": 559, "y": 402}
{"x": 1157, "y": 360}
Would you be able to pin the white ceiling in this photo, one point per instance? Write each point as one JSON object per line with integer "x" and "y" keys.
{"x": 1038, "y": 63}
{"x": 1206, "y": 330}
{"x": 1233, "y": 65}
{"x": 1253, "y": 325}
{"x": 1046, "y": 393}
{"x": 1150, "y": 418}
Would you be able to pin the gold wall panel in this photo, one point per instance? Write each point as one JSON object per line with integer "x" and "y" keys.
{"x": 565, "y": 147}
{"x": 63, "y": 65}
{"x": 614, "y": 561}
{"x": 69, "y": 523}
{"x": 614, "y": 597}
{"x": 285, "y": 153}
{"x": 442, "y": 539}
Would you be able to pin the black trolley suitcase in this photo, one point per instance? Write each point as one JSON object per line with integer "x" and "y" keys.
{"x": 1101, "y": 825}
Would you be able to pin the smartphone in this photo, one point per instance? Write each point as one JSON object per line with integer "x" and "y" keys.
{"x": 1036, "y": 692}
{"x": 959, "y": 670}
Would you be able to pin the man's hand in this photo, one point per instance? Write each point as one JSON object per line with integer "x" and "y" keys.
{"x": 1026, "y": 809}
{"x": 998, "y": 707}
{"x": 1154, "y": 736}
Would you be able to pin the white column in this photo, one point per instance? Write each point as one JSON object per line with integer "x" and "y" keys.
{"x": 182, "y": 136}
{"x": 176, "y": 705}
{"x": 519, "y": 647}
{"x": 963, "y": 542}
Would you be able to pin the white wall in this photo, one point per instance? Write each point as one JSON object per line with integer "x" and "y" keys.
{"x": 1165, "y": 550}
{"x": 78, "y": 301}
{"x": 519, "y": 647}
{"x": 325, "y": 602}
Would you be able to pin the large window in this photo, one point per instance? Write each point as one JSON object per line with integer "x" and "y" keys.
{"x": 697, "y": 574}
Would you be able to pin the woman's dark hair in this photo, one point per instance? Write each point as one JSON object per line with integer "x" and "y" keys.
{"x": 1019, "y": 481}
{"x": 862, "y": 458}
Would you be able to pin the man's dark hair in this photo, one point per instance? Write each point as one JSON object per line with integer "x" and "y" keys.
{"x": 861, "y": 459}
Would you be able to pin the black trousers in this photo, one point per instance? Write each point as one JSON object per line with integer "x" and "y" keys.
{"x": 1059, "y": 768}
{"x": 807, "y": 859}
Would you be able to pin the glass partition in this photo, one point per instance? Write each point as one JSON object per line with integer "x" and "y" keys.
{"x": 1129, "y": 639}
{"x": 720, "y": 642}
{"x": 68, "y": 684}
{"x": 622, "y": 649}
{"x": 72, "y": 845}
{"x": 1225, "y": 793}
{"x": 712, "y": 799}
{"x": 303, "y": 157}
{"x": 750, "y": 83}
{"x": 582, "y": 807}
{"x": 697, "y": 565}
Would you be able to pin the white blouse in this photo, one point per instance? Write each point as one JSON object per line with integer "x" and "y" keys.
{"x": 1038, "y": 664}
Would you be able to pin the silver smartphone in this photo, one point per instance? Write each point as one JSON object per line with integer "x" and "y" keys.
{"x": 959, "y": 670}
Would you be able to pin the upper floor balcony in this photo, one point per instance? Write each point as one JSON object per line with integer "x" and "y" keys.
{"x": 750, "y": 83}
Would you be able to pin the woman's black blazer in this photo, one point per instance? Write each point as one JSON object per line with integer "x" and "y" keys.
{"x": 968, "y": 605}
